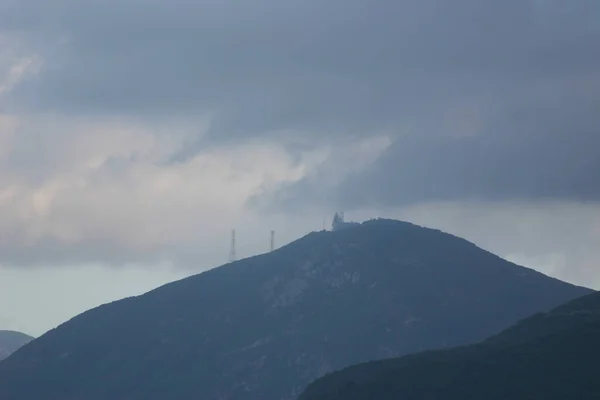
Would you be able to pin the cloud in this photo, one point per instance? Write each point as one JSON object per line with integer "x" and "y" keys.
{"x": 144, "y": 130}
{"x": 548, "y": 157}
{"x": 308, "y": 65}
{"x": 471, "y": 92}
{"x": 80, "y": 191}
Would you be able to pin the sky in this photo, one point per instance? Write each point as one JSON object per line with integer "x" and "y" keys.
{"x": 135, "y": 134}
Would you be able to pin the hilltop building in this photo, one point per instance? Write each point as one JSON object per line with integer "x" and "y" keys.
{"x": 339, "y": 222}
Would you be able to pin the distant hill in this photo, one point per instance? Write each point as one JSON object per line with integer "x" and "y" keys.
{"x": 551, "y": 356}
{"x": 10, "y": 341}
{"x": 263, "y": 328}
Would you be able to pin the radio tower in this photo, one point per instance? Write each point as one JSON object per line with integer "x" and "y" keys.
{"x": 232, "y": 248}
{"x": 272, "y": 240}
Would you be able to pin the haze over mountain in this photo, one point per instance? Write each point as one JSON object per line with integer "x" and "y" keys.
{"x": 10, "y": 341}
{"x": 550, "y": 356}
{"x": 263, "y": 328}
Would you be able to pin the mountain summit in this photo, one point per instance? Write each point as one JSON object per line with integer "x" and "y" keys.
{"x": 263, "y": 328}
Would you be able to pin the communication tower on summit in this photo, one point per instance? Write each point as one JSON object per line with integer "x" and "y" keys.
{"x": 232, "y": 247}
{"x": 272, "y": 240}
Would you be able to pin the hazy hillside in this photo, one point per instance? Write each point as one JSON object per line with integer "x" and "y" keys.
{"x": 265, "y": 327}
{"x": 549, "y": 356}
{"x": 10, "y": 341}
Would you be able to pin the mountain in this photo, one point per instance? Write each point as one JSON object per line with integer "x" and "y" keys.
{"x": 551, "y": 356}
{"x": 10, "y": 341}
{"x": 265, "y": 327}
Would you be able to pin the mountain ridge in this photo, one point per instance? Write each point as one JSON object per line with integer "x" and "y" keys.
{"x": 551, "y": 355}
{"x": 266, "y": 326}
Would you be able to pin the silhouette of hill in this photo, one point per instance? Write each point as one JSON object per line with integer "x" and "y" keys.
{"x": 549, "y": 356}
{"x": 265, "y": 327}
{"x": 10, "y": 341}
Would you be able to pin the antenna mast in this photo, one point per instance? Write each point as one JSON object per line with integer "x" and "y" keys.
{"x": 232, "y": 247}
{"x": 272, "y": 240}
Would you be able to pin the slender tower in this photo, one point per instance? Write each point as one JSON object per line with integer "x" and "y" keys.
{"x": 232, "y": 248}
{"x": 272, "y": 240}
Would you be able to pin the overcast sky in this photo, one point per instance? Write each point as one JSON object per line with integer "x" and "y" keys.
{"x": 135, "y": 134}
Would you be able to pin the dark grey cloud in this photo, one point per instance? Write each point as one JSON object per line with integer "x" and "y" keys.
{"x": 545, "y": 154}
{"x": 535, "y": 151}
{"x": 269, "y": 64}
{"x": 487, "y": 99}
